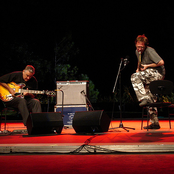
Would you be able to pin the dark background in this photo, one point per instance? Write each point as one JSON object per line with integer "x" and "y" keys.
{"x": 104, "y": 32}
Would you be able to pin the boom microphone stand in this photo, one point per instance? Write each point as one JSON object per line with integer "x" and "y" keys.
{"x": 119, "y": 76}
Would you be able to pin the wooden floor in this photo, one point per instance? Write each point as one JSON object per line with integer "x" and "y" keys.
{"x": 114, "y": 141}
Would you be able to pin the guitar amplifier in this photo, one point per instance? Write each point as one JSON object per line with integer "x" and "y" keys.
{"x": 69, "y": 112}
{"x": 72, "y": 92}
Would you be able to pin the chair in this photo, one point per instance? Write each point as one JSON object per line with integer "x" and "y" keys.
{"x": 4, "y": 110}
{"x": 159, "y": 88}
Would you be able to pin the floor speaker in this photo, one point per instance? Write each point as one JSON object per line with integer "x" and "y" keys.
{"x": 44, "y": 123}
{"x": 91, "y": 121}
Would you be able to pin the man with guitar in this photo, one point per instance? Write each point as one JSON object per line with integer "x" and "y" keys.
{"x": 12, "y": 83}
{"x": 150, "y": 67}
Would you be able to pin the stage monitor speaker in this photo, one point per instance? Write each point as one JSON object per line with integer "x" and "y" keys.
{"x": 91, "y": 121}
{"x": 44, "y": 123}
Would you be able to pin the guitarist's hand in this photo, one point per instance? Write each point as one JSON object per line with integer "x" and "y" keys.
{"x": 12, "y": 92}
{"x": 143, "y": 67}
{"x": 28, "y": 94}
{"x": 137, "y": 70}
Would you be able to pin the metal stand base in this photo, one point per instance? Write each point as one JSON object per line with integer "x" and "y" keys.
{"x": 125, "y": 128}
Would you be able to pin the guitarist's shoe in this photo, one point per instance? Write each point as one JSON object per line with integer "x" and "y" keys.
{"x": 152, "y": 126}
{"x": 145, "y": 102}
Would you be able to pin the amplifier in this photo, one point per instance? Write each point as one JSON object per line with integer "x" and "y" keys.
{"x": 69, "y": 112}
{"x": 72, "y": 92}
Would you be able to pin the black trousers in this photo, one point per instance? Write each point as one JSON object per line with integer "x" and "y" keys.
{"x": 25, "y": 106}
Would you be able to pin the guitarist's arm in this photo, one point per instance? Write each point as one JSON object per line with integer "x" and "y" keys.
{"x": 160, "y": 63}
{"x": 8, "y": 88}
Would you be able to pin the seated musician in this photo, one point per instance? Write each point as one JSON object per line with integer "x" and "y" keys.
{"x": 150, "y": 67}
{"x": 9, "y": 84}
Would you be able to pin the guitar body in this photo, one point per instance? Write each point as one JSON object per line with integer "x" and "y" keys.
{"x": 5, "y": 94}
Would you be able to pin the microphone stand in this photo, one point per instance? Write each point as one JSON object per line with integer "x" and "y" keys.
{"x": 48, "y": 105}
{"x": 120, "y": 97}
{"x": 89, "y": 103}
{"x": 65, "y": 127}
{"x": 62, "y": 102}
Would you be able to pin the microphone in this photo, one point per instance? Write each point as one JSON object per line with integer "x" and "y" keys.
{"x": 126, "y": 60}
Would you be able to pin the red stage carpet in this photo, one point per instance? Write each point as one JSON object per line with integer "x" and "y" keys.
{"x": 136, "y": 151}
{"x": 94, "y": 164}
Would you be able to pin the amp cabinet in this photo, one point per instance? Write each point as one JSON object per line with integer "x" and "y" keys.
{"x": 72, "y": 92}
{"x": 71, "y": 97}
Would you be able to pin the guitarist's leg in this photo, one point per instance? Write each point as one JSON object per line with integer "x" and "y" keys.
{"x": 33, "y": 105}
{"x": 141, "y": 79}
{"x": 21, "y": 105}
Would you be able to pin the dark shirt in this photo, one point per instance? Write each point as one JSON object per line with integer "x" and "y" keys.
{"x": 150, "y": 56}
{"x": 17, "y": 77}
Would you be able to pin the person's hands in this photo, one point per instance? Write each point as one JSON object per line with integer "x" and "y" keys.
{"x": 28, "y": 94}
{"x": 12, "y": 91}
{"x": 143, "y": 67}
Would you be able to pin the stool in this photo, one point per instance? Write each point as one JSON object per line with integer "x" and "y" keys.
{"x": 159, "y": 88}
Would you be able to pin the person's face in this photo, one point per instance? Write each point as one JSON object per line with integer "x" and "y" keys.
{"x": 140, "y": 46}
{"x": 27, "y": 75}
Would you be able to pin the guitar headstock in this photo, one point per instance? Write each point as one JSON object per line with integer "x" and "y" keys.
{"x": 50, "y": 93}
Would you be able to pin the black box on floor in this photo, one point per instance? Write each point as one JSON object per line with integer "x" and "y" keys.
{"x": 44, "y": 123}
{"x": 91, "y": 121}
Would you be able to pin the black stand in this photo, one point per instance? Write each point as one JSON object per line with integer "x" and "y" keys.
{"x": 65, "y": 127}
{"x": 119, "y": 75}
{"x": 62, "y": 103}
{"x": 88, "y": 101}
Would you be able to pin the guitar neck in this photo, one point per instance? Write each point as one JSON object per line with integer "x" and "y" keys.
{"x": 31, "y": 91}
{"x": 139, "y": 60}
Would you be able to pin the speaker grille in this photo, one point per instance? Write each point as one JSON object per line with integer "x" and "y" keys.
{"x": 44, "y": 123}
{"x": 91, "y": 121}
{"x": 70, "y": 91}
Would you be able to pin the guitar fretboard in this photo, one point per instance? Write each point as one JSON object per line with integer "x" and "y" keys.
{"x": 31, "y": 91}
{"x": 139, "y": 59}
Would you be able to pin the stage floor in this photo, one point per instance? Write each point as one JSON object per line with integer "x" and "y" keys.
{"x": 116, "y": 140}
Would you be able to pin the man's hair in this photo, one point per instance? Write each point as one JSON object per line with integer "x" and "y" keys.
{"x": 30, "y": 68}
{"x": 142, "y": 38}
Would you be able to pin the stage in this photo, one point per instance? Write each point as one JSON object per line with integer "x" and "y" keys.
{"x": 115, "y": 140}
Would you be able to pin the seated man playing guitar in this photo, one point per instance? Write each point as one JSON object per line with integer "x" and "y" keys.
{"x": 25, "y": 102}
{"x": 150, "y": 67}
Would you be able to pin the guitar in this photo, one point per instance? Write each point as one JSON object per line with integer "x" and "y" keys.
{"x": 139, "y": 61}
{"x": 5, "y": 95}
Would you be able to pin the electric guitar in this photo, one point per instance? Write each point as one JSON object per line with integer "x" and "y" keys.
{"x": 139, "y": 61}
{"x": 5, "y": 95}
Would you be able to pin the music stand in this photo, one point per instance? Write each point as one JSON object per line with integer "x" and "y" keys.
{"x": 119, "y": 75}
